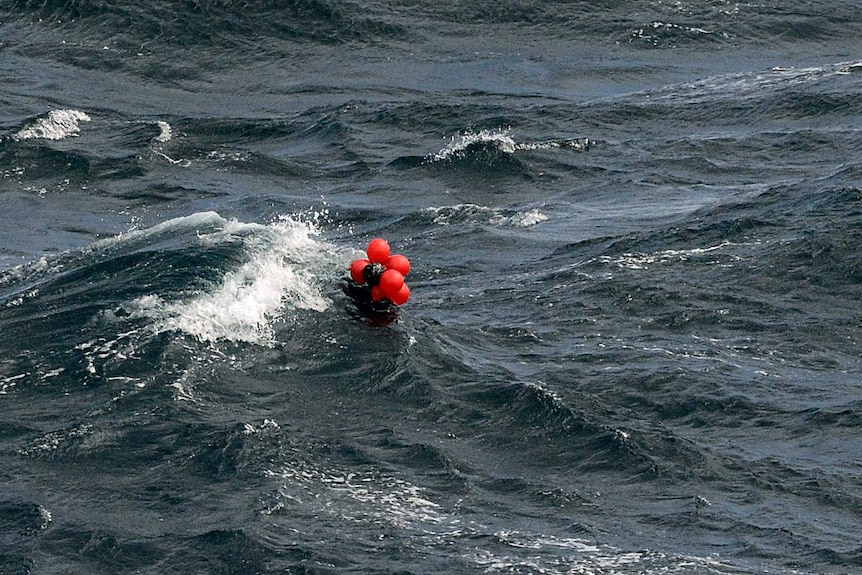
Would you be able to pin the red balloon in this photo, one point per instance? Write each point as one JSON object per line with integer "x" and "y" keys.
{"x": 378, "y": 250}
{"x": 356, "y": 270}
{"x": 402, "y": 296}
{"x": 377, "y": 293}
{"x": 390, "y": 282}
{"x": 398, "y": 262}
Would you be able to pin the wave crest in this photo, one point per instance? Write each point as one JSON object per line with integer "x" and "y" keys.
{"x": 244, "y": 304}
{"x": 57, "y": 125}
{"x": 476, "y": 214}
{"x": 490, "y": 144}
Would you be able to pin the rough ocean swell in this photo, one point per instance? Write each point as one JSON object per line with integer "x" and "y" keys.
{"x": 633, "y": 341}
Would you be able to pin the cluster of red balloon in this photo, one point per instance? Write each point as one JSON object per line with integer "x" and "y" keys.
{"x": 382, "y": 272}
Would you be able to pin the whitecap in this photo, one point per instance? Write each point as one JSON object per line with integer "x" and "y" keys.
{"x": 57, "y": 125}
{"x": 247, "y": 301}
{"x": 7, "y": 383}
{"x": 165, "y": 132}
{"x": 484, "y": 215}
{"x": 519, "y": 219}
{"x": 459, "y": 144}
{"x": 501, "y": 141}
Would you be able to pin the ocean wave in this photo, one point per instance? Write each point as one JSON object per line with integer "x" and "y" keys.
{"x": 165, "y": 132}
{"x": 356, "y": 496}
{"x": 669, "y": 34}
{"x": 620, "y": 358}
{"x": 723, "y": 24}
{"x": 487, "y": 145}
{"x": 490, "y": 157}
{"x": 759, "y": 83}
{"x": 713, "y": 255}
{"x": 572, "y": 435}
{"x": 218, "y": 22}
{"x": 23, "y": 517}
{"x": 519, "y": 552}
{"x": 203, "y": 276}
{"x": 746, "y": 97}
{"x": 245, "y": 302}
{"x": 484, "y": 215}
{"x": 57, "y": 125}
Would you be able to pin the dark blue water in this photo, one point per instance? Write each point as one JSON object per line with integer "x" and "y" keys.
{"x": 633, "y": 343}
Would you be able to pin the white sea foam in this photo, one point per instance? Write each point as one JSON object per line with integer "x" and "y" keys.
{"x": 165, "y": 132}
{"x": 358, "y": 496}
{"x": 246, "y": 303}
{"x": 531, "y": 553}
{"x": 457, "y": 146}
{"x": 519, "y": 219}
{"x": 54, "y": 440}
{"x": 641, "y": 261}
{"x": 656, "y": 32}
{"x": 502, "y": 141}
{"x": 7, "y": 383}
{"x": 278, "y": 275}
{"x": 848, "y": 68}
{"x": 476, "y": 214}
{"x": 57, "y": 125}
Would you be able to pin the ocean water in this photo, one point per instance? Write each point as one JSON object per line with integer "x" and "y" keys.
{"x": 633, "y": 343}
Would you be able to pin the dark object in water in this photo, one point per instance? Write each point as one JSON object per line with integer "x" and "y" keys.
{"x": 378, "y": 313}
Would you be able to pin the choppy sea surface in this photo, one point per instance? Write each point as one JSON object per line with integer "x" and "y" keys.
{"x": 633, "y": 343}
